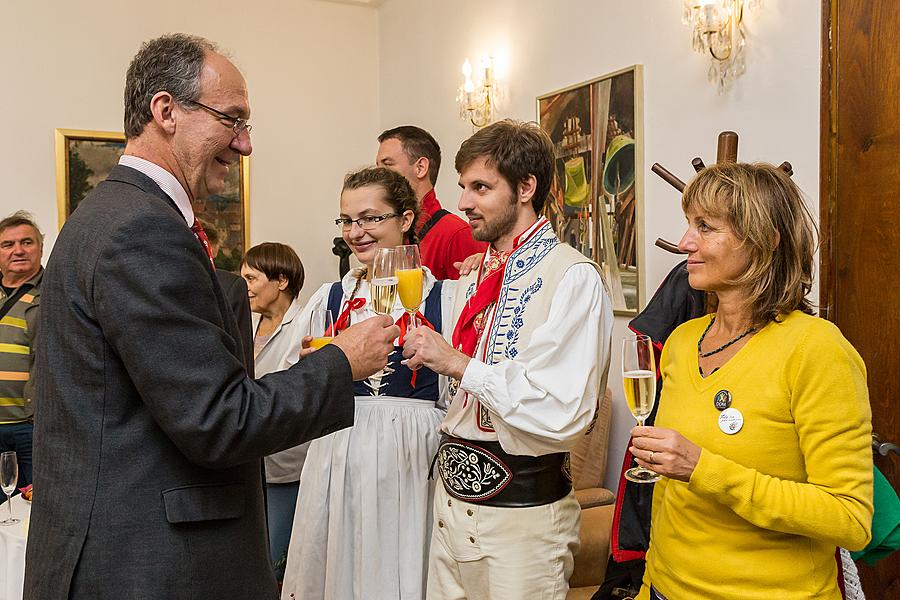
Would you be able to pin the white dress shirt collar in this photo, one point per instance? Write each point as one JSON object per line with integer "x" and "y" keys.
{"x": 165, "y": 180}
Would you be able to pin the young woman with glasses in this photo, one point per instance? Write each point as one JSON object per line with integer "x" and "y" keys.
{"x": 363, "y": 521}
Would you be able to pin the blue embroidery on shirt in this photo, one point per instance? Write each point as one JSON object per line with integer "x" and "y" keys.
{"x": 512, "y": 335}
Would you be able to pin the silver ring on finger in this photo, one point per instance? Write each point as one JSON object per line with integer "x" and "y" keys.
{"x": 650, "y": 460}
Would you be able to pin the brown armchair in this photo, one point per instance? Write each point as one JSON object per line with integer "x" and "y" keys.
{"x": 588, "y": 462}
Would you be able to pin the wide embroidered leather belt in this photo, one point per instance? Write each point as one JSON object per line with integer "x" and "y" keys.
{"x": 482, "y": 472}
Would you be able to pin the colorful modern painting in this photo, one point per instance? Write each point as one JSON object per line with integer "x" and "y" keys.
{"x": 596, "y": 202}
{"x": 85, "y": 158}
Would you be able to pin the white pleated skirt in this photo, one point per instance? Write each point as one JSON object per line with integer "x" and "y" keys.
{"x": 363, "y": 521}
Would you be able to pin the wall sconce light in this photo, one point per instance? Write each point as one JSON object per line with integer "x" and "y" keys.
{"x": 476, "y": 100}
{"x": 717, "y": 28}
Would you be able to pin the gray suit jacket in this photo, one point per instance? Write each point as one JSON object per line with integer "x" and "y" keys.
{"x": 148, "y": 431}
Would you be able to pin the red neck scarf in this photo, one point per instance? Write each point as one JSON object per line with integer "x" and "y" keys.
{"x": 470, "y": 324}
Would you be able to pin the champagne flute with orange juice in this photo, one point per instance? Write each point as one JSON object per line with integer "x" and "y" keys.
{"x": 321, "y": 328}
{"x": 409, "y": 278}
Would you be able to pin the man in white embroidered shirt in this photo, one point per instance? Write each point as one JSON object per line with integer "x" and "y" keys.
{"x": 528, "y": 359}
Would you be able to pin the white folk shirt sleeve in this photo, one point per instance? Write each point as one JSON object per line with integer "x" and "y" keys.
{"x": 543, "y": 400}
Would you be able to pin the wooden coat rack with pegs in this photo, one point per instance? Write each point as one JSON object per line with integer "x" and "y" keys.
{"x": 726, "y": 152}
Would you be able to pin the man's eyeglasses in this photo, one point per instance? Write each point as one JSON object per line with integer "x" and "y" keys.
{"x": 238, "y": 125}
{"x": 367, "y": 222}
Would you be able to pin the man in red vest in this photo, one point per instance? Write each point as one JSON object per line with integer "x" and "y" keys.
{"x": 445, "y": 239}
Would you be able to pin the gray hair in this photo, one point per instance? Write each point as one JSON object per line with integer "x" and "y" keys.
{"x": 169, "y": 63}
{"x": 21, "y": 217}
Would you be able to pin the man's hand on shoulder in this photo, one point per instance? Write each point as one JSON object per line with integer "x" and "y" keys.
{"x": 367, "y": 345}
{"x": 469, "y": 264}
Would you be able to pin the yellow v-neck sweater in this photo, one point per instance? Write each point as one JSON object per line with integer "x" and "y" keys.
{"x": 766, "y": 507}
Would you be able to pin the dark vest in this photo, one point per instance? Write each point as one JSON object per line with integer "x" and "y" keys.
{"x": 398, "y": 383}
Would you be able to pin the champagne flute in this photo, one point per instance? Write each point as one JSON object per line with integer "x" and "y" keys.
{"x": 9, "y": 476}
{"x": 321, "y": 328}
{"x": 409, "y": 277}
{"x": 383, "y": 285}
{"x": 639, "y": 378}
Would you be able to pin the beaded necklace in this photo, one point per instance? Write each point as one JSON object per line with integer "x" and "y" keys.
{"x": 723, "y": 346}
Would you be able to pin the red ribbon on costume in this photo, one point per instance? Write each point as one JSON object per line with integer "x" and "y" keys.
{"x": 343, "y": 320}
{"x": 197, "y": 228}
{"x": 403, "y": 323}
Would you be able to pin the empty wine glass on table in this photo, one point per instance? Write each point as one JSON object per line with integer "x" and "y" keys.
{"x": 409, "y": 278}
{"x": 9, "y": 476}
{"x": 639, "y": 379}
{"x": 321, "y": 328}
{"x": 383, "y": 285}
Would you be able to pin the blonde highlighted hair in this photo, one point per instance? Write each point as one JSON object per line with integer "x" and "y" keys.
{"x": 767, "y": 214}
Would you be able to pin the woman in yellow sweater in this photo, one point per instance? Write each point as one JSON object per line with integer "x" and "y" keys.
{"x": 764, "y": 428}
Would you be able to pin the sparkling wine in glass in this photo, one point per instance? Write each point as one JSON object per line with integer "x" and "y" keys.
{"x": 9, "y": 476}
{"x": 639, "y": 380}
{"x": 321, "y": 327}
{"x": 383, "y": 285}
{"x": 409, "y": 277}
{"x": 384, "y": 281}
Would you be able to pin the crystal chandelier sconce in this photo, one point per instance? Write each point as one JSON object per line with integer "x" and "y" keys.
{"x": 476, "y": 100}
{"x": 717, "y": 29}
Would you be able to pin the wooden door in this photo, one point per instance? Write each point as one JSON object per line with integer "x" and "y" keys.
{"x": 860, "y": 214}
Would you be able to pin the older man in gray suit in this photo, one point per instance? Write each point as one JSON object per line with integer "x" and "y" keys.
{"x": 149, "y": 433}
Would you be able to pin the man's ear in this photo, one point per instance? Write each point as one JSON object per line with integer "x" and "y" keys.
{"x": 421, "y": 166}
{"x": 162, "y": 107}
{"x": 526, "y": 189}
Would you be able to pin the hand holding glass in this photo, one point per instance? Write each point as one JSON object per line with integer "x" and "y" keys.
{"x": 409, "y": 277}
{"x": 321, "y": 328}
{"x": 9, "y": 476}
{"x": 639, "y": 378}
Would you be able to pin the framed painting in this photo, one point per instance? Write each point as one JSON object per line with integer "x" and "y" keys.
{"x": 85, "y": 158}
{"x": 596, "y": 201}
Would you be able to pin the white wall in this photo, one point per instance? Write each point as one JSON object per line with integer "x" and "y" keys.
{"x": 549, "y": 45}
{"x": 311, "y": 69}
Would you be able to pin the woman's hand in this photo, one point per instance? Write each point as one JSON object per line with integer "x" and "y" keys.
{"x": 665, "y": 451}
{"x": 305, "y": 348}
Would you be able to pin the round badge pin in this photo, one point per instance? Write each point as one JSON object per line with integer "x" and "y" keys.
{"x": 722, "y": 399}
{"x": 731, "y": 421}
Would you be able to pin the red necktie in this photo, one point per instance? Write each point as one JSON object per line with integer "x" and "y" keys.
{"x": 197, "y": 228}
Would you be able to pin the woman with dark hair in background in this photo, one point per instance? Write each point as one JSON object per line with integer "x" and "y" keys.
{"x": 363, "y": 521}
{"x": 763, "y": 434}
{"x": 274, "y": 276}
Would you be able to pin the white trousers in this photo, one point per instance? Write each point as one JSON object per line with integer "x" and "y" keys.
{"x": 489, "y": 553}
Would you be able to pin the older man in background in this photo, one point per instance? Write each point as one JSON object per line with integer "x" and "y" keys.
{"x": 21, "y": 247}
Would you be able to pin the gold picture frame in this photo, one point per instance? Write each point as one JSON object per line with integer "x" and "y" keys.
{"x": 597, "y": 128}
{"x": 84, "y": 158}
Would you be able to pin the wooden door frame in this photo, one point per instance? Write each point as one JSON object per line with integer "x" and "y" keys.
{"x": 827, "y": 163}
